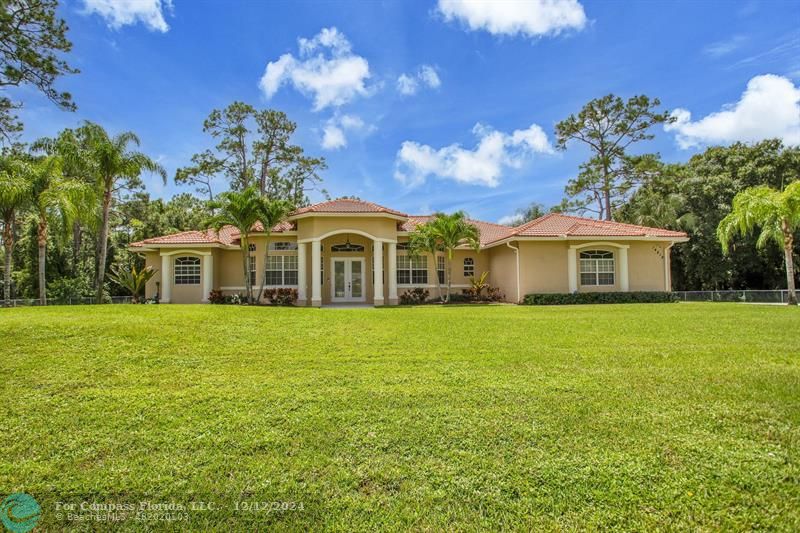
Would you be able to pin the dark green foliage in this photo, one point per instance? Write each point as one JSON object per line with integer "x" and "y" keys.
{"x": 32, "y": 39}
{"x": 216, "y": 297}
{"x": 640, "y": 297}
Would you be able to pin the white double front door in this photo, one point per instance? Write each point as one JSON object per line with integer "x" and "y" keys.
{"x": 348, "y": 279}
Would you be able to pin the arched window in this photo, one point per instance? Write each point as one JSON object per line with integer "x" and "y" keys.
{"x": 283, "y": 246}
{"x": 187, "y": 271}
{"x": 597, "y": 267}
{"x": 469, "y": 267}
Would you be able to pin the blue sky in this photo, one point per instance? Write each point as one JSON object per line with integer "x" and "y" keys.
{"x": 489, "y": 82}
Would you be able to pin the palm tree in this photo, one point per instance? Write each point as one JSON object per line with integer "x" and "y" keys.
{"x": 776, "y": 213}
{"x": 53, "y": 197}
{"x": 423, "y": 240}
{"x": 241, "y": 210}
{"x": 452, "y": 231}
{"x": 271, "y": 213}
{"x": 114, "y": 167}
{"x": 14, "y": 197}
{"x": 132, "y": 279}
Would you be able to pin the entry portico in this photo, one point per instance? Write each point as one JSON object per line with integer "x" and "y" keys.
{"x": 351, "y": 251}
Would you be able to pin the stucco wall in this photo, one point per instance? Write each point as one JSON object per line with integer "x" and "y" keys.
{"x": 503, "y": 270}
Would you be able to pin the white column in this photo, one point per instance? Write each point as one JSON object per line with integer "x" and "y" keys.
{"x": 316, "y": 286}
{"x": 377, "y": 269}
{"x": 166, "y": 278}
{"x": 301, "y": 273}
{"x": 572, "y": 269}
{"x": 208, "y": 276}
{"x": 623, "y": 269}
{"x": 392, "y": 273}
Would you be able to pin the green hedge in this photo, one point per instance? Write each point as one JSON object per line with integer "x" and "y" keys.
{"x": 642, "y": 297}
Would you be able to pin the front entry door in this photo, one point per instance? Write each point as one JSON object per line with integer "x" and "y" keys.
{"x": 348, "y": 279}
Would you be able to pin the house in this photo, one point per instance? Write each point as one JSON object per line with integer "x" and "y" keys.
{"x": 331, "y": 251}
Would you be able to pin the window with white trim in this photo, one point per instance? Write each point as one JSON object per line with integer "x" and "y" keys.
{"x": 187, "y": 271}
{"x": 251, "y": 263}
{"x": 412, "y": 270}
{"x": 440, "y": 267}
{"x": 282, "y": 270}
{"x": 283, "y": 246}
{"x": 469, "y": 267}
{"x": 597, "y": 267}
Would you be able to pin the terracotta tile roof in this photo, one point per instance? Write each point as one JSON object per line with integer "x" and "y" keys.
{"x": 226, "y": 236}
{"x": 558, "y": 225}
{"x": 347, "y": 205}
{"x": 489, "y": 232}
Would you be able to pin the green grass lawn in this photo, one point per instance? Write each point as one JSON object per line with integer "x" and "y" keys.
{"x": 672, "y": 416}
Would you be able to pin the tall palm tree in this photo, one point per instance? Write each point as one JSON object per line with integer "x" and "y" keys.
{"x": 114, "y": 167}
{"x": 14, "y": 197}
{"x": 53, "y": 197}
{"x": 453, "y": 231}
{"x": 241, "y": 210}
{"x": 271, "y": 213}
{"x": 423, "y": 240}
{"x": 777, "y": 213}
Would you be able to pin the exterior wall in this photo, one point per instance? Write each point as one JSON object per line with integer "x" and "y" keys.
{"x": 314, "y": 227}
{"x": 646, "y": 262}
{"x": 459, "y": 280}
{"x": 544, "y": 268}
{"x": 503, "y": 270}
{"x": 152, "y": 259}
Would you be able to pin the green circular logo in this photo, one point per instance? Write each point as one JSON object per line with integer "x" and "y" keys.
{"x": 20, "y": 512}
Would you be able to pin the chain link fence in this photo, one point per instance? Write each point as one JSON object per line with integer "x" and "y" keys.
{"x": 748, "y": 296}
{"x": 32, "y": 302}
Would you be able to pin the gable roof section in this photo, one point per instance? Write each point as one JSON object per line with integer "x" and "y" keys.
{"x": 560, "y": 225}
{"x": 490, "y": 232}
{"x": 347, "y": 205}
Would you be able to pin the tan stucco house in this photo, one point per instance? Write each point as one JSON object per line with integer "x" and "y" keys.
{"x": 331, "y": 251}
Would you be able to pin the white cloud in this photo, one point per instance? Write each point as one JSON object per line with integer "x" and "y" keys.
{"x": 118, "y": 13}
{"x": 326, "y": 70}
{"x": 334, "y": 131}
{"x": 484, "y": 165}
{"x": 769, "y": 107}
{"x": 532, "y": 18}
{"x": 426, "y": 75}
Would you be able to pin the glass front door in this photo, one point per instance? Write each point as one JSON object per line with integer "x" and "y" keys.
{"x": 348, "y": 279}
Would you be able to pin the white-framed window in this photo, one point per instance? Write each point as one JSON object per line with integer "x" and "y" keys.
{"x": 597, "y": 267}
{"x": 283, "y": 246}
{"x": 251, "y": 263}
{"x": 469, "y": 267}
{"x": 282, "y": 270}
{"x": 440, "y": 267}
{"x": 187, "y": 271}
{"x": 412, "y": 270}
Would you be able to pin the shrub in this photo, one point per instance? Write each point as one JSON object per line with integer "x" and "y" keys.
{"x": 644, "y": 297}
{"x": 494, "y": 294}
{"x": 281, "y": 296}
{"x": 414, "y": 296}
{"x": 472, "y": 294}
{"x": 216, "y": 297}
{"x": 234, "y": 299}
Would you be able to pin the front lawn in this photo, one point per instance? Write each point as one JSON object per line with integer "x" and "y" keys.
{"x": 679, "y": 416}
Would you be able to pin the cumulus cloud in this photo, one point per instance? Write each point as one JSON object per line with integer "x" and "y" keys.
{"x": 484, "y": 165}
{"x": 533, "y": 18}
{"x": 118, "y": 13}
{"x": 425, "y": 76}
{"x": 511, "y": 220}
{"x": 334, "y": 132}
{"x": 769, "y": 107}
{"x": 326, "y": 70}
